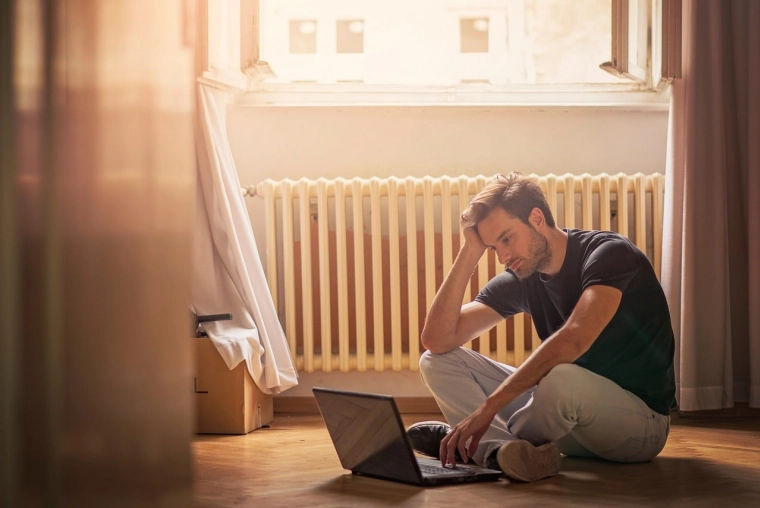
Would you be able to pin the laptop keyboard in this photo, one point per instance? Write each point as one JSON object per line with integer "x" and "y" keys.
{"x": 428, "y": 469}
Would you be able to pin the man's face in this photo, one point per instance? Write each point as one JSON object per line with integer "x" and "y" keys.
{"x": 516, "y": 244}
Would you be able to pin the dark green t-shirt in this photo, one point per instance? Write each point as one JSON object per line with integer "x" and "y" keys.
{"x": 635, "y": 350}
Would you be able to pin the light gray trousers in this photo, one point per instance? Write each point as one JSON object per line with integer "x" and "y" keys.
{"x": 585, "y": 414}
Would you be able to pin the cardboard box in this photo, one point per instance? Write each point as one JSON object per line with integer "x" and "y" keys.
{"x": 226, "y": 401}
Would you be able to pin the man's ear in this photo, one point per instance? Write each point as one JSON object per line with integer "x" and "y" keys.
{"x": 537, "y": 217}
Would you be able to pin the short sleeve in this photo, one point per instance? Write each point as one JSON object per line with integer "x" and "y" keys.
{"x": 504, "y": 294}
{"x": 613, "y": 263}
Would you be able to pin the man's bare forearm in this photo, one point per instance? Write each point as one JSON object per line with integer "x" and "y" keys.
{"x": 439, "y": 334}
{"x": 554, "y": 351}
{"x": 593, "y": 312}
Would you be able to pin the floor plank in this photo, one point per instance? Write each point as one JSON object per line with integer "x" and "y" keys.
{"x": 707, "y": 462}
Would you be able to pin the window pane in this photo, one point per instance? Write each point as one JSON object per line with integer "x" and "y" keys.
{"x": 569, "y": 40}
{"x": 474, "y": 35}
{"x": 349, "y": 36}
{"x": 437, "y": 42}
{"x": 303, "y": 36}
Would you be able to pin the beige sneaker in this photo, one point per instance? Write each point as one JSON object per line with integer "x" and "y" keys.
{"x": 520, "y": 460}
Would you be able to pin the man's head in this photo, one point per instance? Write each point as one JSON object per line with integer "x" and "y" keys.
{"x": 511, "y": 216}
{"x": 516, "y": 194}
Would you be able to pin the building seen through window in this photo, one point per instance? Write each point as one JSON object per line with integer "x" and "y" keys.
{"x": 437, "y": 42}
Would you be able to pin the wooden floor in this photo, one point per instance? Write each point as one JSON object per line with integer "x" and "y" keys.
{"x": 707, "y": 462}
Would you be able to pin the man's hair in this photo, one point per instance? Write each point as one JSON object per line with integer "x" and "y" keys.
{"x": 516, "y": 194}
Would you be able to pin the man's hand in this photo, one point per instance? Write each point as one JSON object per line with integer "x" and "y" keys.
{"x": 474, "y": 426}
{"x": 472, "y": 239}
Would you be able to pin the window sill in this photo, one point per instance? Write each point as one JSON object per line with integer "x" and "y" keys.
{"x": 614, "y": 97}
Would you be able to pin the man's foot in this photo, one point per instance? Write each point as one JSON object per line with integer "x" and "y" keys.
{"x": 520, "y": 460}
{"x": 426, "y": 437}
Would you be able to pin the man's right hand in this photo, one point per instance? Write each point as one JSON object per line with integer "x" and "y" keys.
{"x": 472, "y": 240}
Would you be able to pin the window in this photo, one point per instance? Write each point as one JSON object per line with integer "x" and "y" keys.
{"x": 652, "y": 61}
{"x": 473, "y": 35}
{"x": 493, "y": 46}
{"x": 349, "y": 36}
{"x": 303, "y": 36}
{"x": 440, "y": 42}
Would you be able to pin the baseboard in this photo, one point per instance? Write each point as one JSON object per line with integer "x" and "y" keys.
{"x": 422, "y": 405}
{"x": 406, "y": 405}
{"x": 740, "y": 410}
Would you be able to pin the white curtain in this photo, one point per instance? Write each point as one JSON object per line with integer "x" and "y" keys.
{"x": 711, "y": 245}
{"x": 227, "y": 274}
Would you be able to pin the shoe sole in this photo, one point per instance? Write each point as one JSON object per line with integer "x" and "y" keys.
{"x": 520, "y": 460}
{"x": 420, "y": 425}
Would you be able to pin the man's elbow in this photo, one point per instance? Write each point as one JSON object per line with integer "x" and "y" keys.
{"x": 434, "y": 343}
{"x": 427, "y": 342}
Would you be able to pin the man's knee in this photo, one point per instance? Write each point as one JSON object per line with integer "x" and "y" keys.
{"x": 426, "y": 360}
{"x": 431, "y": 364}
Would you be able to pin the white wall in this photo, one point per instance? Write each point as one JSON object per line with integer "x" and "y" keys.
{"x": 330, "y": 141}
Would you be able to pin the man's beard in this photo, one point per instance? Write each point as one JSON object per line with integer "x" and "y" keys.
{"x": 539, "y": 255}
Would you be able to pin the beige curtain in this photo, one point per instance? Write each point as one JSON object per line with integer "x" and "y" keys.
{"x": 711, "y": 246}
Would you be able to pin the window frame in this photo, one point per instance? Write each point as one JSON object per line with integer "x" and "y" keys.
{"x": 649, "y": 53}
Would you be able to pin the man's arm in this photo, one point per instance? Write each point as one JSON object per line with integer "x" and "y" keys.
{"x": 594, "y": 310}
{"x": 449, "y": 324}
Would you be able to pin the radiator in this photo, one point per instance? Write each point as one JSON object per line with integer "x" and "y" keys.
{"x": 352, "y": 286}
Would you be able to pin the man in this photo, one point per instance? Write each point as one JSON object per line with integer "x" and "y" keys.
{"x": 601, "y": 384}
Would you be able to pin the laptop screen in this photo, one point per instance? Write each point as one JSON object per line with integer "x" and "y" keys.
{"x": 368, "y": 434}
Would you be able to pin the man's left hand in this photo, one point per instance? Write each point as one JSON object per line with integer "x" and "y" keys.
{"x": 474, "y": 426}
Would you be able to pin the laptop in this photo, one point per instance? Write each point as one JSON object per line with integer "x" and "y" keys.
{"x": 369, "y": 436}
